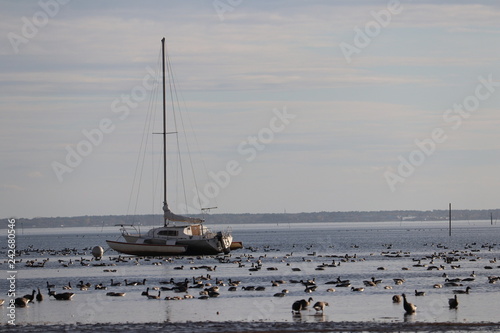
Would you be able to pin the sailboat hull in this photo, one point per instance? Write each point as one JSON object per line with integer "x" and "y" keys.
{"x": 146, "y": 249}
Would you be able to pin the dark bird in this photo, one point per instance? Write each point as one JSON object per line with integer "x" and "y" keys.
{"x": 67, "y": 296}
{"x": 39, "y": 296}
{"x": 30, "y": 297}
{"x": 297, "y": 306}
{"x": 419, "y": 293}
{"x": 453, "y": 302}
{"x": 409, "y": 307}
{"x": 459, "y": 291}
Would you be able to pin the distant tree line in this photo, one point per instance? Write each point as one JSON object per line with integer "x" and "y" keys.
{"x": 352, "y": 216}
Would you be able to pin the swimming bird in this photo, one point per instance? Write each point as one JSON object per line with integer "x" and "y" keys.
{"x": 319, "y": 306}
{"x": 67, "y": 296}
{"x": 409, "y": 307}
{"x": 357, "y": 289}
{"x": 21, "y": 302}
{"x": 453, "y": 302}
{"x": 155, "y": 296}
{"x": 67, "y": 287}
{"x": 459, "y": 291}
{"x": 115, "y": 284}
{"x": 39, "y": 296}
{"x": 115, "y": 294}
{"x": 50, "y": 285}
{"x": 30, "y": 297}
{"x": 145, "y": 293}
{"x": 419, "y": 293}
{"x": 396, "y": 299}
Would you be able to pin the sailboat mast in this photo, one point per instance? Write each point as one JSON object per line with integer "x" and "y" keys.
{"x": 164, "y": 126}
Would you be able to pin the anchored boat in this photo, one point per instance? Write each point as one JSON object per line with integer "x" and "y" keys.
{"x": 179, "y": 234}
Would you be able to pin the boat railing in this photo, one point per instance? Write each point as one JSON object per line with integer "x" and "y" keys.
{"x": 125, "y": 229}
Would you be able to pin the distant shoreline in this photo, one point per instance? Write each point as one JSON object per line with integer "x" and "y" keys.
{"x": 247, "y": 218}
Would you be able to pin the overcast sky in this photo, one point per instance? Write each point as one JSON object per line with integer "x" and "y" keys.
{"x": 297, "y": 106}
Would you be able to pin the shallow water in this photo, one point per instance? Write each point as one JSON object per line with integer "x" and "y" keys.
{"x": 368, "y": 246}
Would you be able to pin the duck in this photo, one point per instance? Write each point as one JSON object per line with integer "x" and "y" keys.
{"x": 115, "y": 284}
{"x": 155, "y": 296}
{"x": 67, "y": 296}
{"x": 39, "y": 296}
{"x": 453, "y": 302}
{"x": 407, "y": 306}
{"x": 21, "y": 302}
{"x": 115, "y": 294}
{"x": 419, "y": 293}
{"x": 459, "y": 291}
{"x": 30, "y": 297}
{"x": 319, "y": 306}
{"x": 302, "y": 304}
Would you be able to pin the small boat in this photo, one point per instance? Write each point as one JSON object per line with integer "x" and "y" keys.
{"x": 179, "y": 234}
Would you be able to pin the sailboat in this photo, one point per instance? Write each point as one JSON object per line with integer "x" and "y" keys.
{"x": 179, "y": 234}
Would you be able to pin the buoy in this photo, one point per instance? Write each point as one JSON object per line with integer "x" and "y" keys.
{"x": 97, "y": 252}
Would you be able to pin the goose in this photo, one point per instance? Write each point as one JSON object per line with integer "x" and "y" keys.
{"x": 396, "y": 299}
{"x": 39, "y": 296}
{"x": 319, "y": 306}
{"x": 437, "y": 285}
{"x": 115, "y": 294}
{"x": 67, "y": 296}
{"x": 453, "y": 302}
{"x": 145, "y": 293}
{"x": 419, "y": 293}
{"x": 21, "y": 302}
{"x": 282, "y": 293}
{"x": 100, "y": 286}
{"x": 130, "y": 283}
{"x": 376, "y": 281}
{"x": 459, "y": 291}
{"x": 409, "y": 307}
{"x": 2, "y": 301}
{"x": 155, "y": 296}
{"x": 330, "y": 290}
{"x": 357, "y": 289}
{"x": 297, "y": 306}
{"x": 30, "y": 297}
{"x": 67, "y": 287}
{"x": 50, "y": 285}
{"x": 115, "y": 284}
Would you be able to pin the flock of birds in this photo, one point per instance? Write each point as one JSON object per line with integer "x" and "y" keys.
{"x": 209, "y": 287}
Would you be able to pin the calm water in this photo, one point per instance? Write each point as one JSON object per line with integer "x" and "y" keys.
{"x": 282, "y": 247}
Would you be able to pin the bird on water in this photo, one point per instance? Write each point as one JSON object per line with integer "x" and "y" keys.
{"x": 409, "y": 307}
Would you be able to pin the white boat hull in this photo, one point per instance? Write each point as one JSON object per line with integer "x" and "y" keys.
{"x": 146, "y": 249}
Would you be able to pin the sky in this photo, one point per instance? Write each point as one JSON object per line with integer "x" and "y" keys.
{"x": 295, "y": 106}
